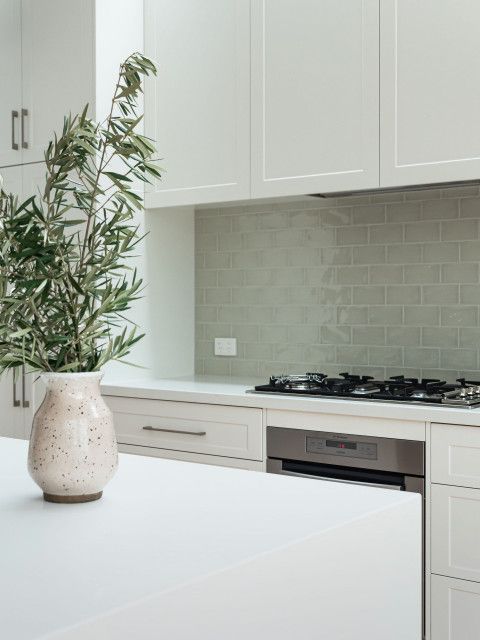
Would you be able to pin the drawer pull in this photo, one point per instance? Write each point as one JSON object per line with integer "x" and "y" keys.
{"x": 164, "y": 430}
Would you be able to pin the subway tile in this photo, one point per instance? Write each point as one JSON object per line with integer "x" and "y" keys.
{"x": 470, "y": 294}
{"x": 303, "y": 295}
{"x": 385, "y": 315}
{"x": 420, "y": 357}
{"x": 288, "y": 237}
{"x": 214, "y": 260}
{"x": 368, "y": 214}
{"x": 436, "y": 209}
{"x": 230, "y": 313}
{"x": 259, "y": 351}
{"x": 460, "y": 359}
{"x": 206, "y": 278}
{"x": 351, "y": 315}
{"x": 470, "y": 208}
{"x": 288, "y": 315}
{"x": 385, "y": 198}
{"x": 231, "y": 278}
{"x": 368, "y": 254}
{"x": 217, "y": 366}
{"x": 386, "y": 274}
{"x": 335, "y": 217}
{"x": 244, "y": 368}
{"x": 385, "y": 233}
{"x": 422, "y": 273}
{"x": 352, "y": 355}
{"x": 217, "y": 330}
{"x": 219, "y": 295}
{"x": 303, "y": 334}
{"x": 322, "y": 237}
{"x": 321, "y": 315}
{"x": 403, "y": 212}
{"x": 217, "y": 224}
{"x": 272, "y": 220}
{"x": 469, "y": 337}
{"x": 352, "y": 275}
{"x": 440, "y": 293}
{"x": 386, "y": 356}
{"x": 320, "y": 276}
{"x": 370, "y": 294}
{"x": 422, "y": 231}
{"x": 404, "y": 253}
{"x": 245, "y": 332}
{"x": 470, "y": 251}
{"x": 303, "y": 256}
{"x": 274, "y": 334}
{"x": 258, "y": 315}
{"x": 460, "y": 230}
{"x": 441, "y": 252}
{"x": 352, "y": 235}
{"x": 335, "y": 335}
{"x": 273, "y": 258}
{"x": 298, "y": 219}
{"x": 460, "y": 273}
{"x": 247, "y": 222}
{"x": 422, "y": 316}
{"x": 458, "y": 316}
{"x": 288, "y": 276}
{"x": 336, "y": 255}
{"x": 440, "y": 337}
{"x": 206, "y": 314}
{"x": 460, "y": 191}
{"x": 246, "y": 259}
{"x": 403, "y": 294}
{"x": 320, "y": 354}
{"x": 206, "y": 241}
{"x": 403, "y": 336}
{"x": 253, "y": 240}
{"x": 423, "y": 194}
{"x": 368, "y": 335}
{"x": 335, "y": 295}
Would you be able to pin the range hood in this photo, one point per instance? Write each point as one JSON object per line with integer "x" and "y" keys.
{"x": 416, "y": 187}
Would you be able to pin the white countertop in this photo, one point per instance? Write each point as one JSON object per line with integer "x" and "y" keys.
{"x": 232, "y": 391}
{"x": 160, "y": 524}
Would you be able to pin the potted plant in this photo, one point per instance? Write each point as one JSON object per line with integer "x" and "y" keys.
{"x": 65, "y": 285}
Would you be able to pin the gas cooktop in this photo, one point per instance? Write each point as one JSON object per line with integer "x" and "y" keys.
{"x": 462, "y": 393}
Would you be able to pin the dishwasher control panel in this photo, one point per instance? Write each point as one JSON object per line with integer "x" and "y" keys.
{"x": 344, "y": 448}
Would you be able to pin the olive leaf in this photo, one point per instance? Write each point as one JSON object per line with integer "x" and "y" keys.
{"x": 65, "y": 283}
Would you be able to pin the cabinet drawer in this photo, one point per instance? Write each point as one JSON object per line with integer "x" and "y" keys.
{"x": 456, "y": 455}
{"x": 455, "y": 526}
{"x": 233, "y": 432}
{"x": 455, "y": 609}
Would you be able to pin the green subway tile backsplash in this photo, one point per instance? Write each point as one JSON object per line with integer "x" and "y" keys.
{"x": 380, "y": 283}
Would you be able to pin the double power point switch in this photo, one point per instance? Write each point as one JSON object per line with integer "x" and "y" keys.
{"x": 225, "y": 347}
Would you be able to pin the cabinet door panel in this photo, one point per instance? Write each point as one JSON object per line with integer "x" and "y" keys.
{"x": 58, "y": 67}
{"x": 455, "y": 518}
{"x": 456, "y": 455}
{"x": 10, "y": 79}
{"x": 314, "y": 96}
{"x": 198, "y": 108}
{"x": 455, "y": 609}
{"x": 430, "y": 99}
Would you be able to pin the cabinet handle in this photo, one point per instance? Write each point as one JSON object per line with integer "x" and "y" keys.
{"x": 164, "y": 430}
{"x": 16, "y": 403}
{"x": 14, "y": 144}
{"x": 24, "y": 115}
{"x": 25, "y": 402}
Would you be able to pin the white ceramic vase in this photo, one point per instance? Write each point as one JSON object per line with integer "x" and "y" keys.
{"x": 73, "y": 449}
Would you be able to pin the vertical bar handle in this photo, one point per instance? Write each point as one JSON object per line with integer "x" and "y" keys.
{"x": 16, "y": 403}
{"x": 14, "y": 144}
{"x": 25, "y": 402}
{"x": 24, "y": 141}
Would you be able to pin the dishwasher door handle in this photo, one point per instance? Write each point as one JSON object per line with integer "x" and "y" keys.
{"x": 396, "y": 487}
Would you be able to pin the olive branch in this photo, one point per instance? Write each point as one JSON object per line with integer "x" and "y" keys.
{"x": 65, "y": 281}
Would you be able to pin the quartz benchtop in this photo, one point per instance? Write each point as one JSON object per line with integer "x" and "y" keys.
{"x": 233, "y": 392}
{"x": 161, "y": 524}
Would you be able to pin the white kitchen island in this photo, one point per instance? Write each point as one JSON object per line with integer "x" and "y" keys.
{"x": 180, "y": 551}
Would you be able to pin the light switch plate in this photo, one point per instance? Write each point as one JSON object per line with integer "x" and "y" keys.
{"x": 225, "y": 346}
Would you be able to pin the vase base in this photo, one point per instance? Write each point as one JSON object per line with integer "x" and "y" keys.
{"x": 87, "y": 497}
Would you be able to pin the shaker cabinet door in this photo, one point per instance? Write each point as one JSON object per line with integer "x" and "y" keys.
{"x": 430, "y": 94}
{"x": 58, "y": 47}
{"x": 197, "y": 109}
{"x": 10, "y": 81}
{"x": 315, "y": 103}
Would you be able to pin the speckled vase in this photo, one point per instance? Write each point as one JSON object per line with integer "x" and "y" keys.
{"x": 73, "y": 449}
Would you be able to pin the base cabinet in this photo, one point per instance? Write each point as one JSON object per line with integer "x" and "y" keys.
{"x": 455, "y": 609}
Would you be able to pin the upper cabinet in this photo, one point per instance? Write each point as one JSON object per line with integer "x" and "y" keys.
{"x": 198, "y": 108}
{"x": 314, "y": 96}
{"x": 10, "y": 80}
{"x": 57, "y": 68}
{"x": 430, "y": 94}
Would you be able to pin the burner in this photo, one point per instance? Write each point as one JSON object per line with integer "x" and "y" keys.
{"x": 463, "y": 393}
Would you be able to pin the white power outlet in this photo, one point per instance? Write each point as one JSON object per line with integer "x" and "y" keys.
{"x": 225, "y": 346}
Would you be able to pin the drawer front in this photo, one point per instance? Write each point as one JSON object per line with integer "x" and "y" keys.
{"x": 455, "y": 609}
{"x": 232, "y": 432}
{"x": 455, "y": 527}
{"x": 456, "y": 455}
